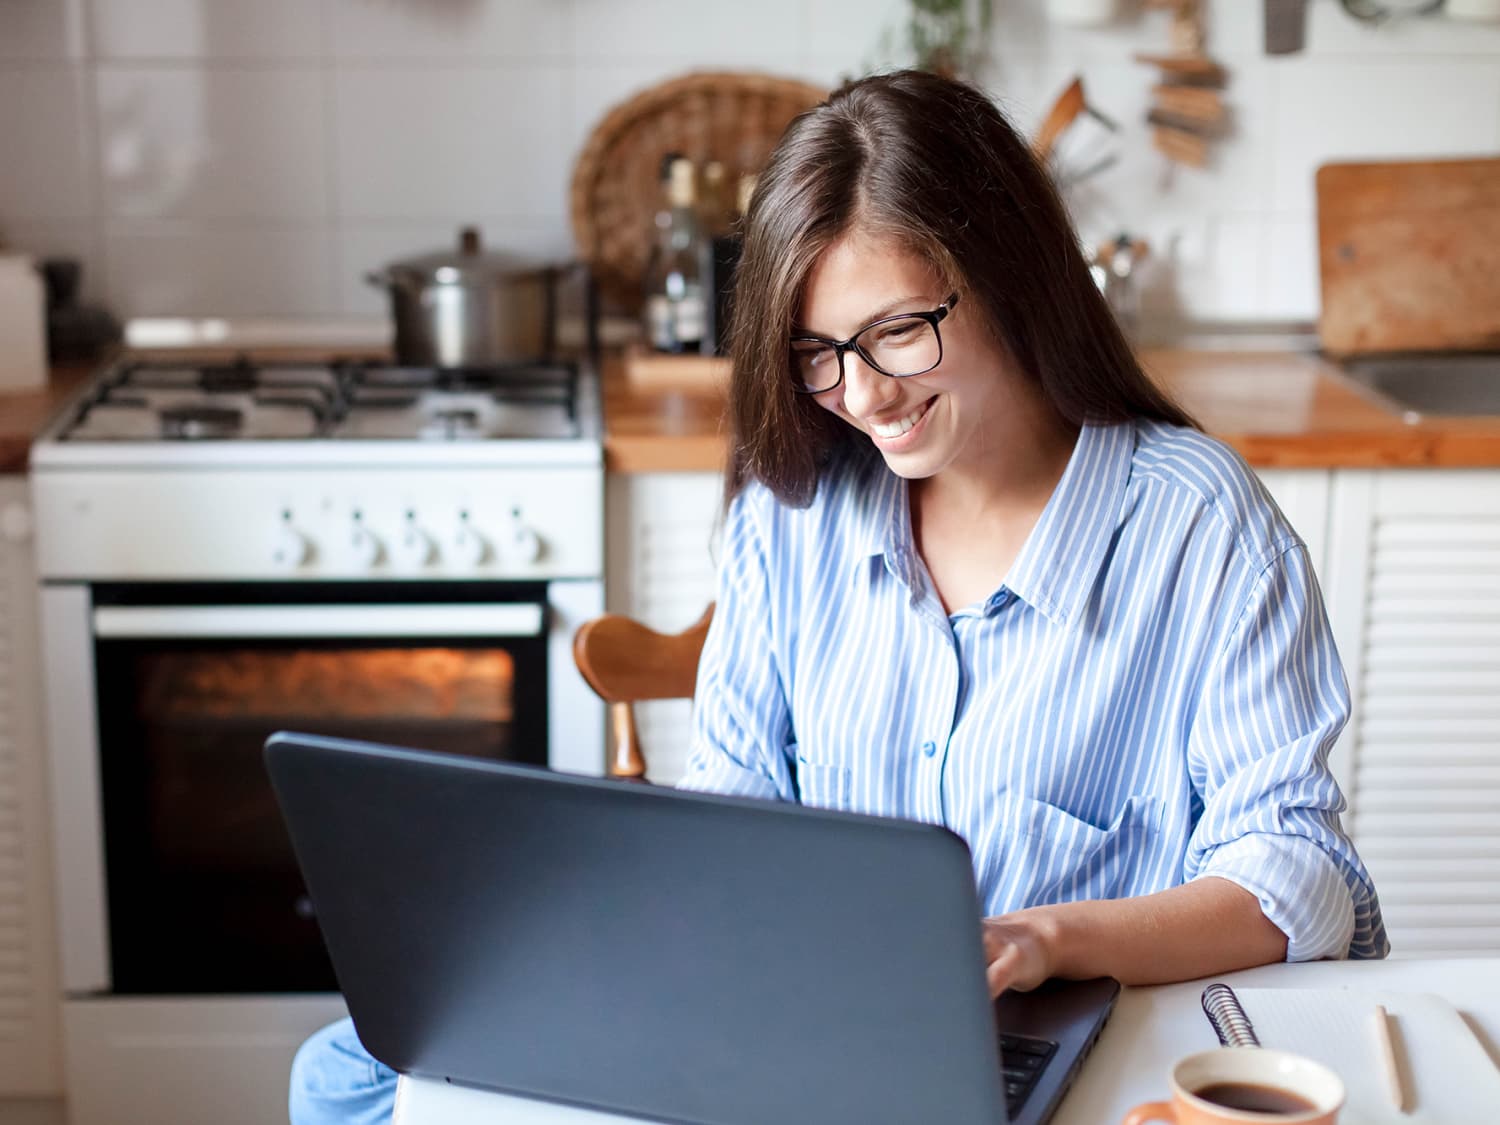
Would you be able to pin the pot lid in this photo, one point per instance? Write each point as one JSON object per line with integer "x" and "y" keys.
{"x": 467, "y": 263}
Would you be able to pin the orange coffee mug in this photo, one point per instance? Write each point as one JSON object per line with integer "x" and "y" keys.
{"x": 1236, "y": 1085}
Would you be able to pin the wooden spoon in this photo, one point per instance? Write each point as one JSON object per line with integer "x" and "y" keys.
{"x": 1065, "y": 110}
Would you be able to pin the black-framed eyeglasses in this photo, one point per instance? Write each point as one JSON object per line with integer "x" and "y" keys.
{"x": 899, "y": 346}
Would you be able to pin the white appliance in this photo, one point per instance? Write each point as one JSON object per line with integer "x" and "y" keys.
{"x": 233, "y": 546}
{"x": 23, "y": 325}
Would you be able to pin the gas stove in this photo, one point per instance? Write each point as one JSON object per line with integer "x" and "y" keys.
{"x": 336, "y": 469}
{"x": 332, "y": 544}
{"x": 244, "y": 400}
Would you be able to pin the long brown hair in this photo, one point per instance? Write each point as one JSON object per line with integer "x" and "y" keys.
{"x": 934, "y": 164}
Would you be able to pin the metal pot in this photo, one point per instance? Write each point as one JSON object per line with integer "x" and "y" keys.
{"x": 469, "y": 308}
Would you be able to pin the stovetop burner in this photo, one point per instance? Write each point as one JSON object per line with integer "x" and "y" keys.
{"x": 451, "y": 424}
{"x": 340, "y": 400}
{"x": 199, "y": 422}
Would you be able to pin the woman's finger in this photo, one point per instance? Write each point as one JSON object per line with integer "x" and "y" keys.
{"x": 1002, "y": 970}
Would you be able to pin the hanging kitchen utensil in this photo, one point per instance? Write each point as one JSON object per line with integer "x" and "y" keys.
{"x": 1286, "y": 26}
{"x": 1080, "y": 156}
{"x": 1188, "y": 110}
{"x": 1064, "y": 112}
{"x": 1378, "y": 11}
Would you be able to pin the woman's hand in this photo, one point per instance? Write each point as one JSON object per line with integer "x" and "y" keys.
{"x": 1019, "y": 949}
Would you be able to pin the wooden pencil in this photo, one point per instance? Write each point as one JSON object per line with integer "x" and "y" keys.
{"x": 1385, "y": 1047}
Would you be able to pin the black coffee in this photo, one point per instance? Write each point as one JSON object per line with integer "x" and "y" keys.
{"x": 1255, "y": 1098}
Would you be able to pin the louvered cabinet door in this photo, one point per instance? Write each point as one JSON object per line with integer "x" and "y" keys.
{"x": 1416, "y": 598}
{"x": 661, "y": 572}
{"x": 29, "y": 1002}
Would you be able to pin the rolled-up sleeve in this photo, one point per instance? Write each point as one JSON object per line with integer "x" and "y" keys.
{"x": 742, "y": 728}
{"x": 1273, "y": 701}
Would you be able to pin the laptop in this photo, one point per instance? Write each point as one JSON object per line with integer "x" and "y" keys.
{"x": 679, "y": 957}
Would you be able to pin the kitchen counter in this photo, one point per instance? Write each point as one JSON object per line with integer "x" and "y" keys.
{"x": 23, "y": 414}
{"x": 1279, "y": 408}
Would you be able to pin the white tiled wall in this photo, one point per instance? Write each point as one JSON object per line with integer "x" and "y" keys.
{"x": 228, "y": 157}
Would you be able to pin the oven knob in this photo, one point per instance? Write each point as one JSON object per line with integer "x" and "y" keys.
{"x": 291, "y": 548}
{"x": 468, "y": 548}
{"x": 524, "y": 545}
{"x": 413, "y": 548}
{"x": 361, "y": 549}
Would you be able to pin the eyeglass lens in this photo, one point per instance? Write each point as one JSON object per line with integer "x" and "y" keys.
{"x": 902, "y": 346}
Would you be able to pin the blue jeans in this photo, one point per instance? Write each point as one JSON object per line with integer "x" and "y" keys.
{"x": 336, "y": 1082}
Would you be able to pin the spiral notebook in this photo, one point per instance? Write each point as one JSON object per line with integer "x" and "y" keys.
{"x": 1450, "y": 1075}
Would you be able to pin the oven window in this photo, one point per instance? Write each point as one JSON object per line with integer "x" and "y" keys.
{"x": 204, "y": 892}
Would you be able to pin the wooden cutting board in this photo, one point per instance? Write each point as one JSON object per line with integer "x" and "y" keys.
{"x": 1409, "y": 255}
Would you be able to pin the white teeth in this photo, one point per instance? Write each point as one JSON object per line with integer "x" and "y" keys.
{"x": 897, "y": 428}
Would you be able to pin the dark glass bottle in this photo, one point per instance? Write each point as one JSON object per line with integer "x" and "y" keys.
{"x": 676, "y": 317}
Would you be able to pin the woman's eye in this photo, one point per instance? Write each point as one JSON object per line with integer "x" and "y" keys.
{"x": 895, "y": 333}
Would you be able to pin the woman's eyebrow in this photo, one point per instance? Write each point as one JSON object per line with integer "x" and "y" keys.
{"x": 910, "y": 303}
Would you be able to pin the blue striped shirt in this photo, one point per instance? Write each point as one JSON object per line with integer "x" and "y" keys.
{"x": 1148, "y": 698}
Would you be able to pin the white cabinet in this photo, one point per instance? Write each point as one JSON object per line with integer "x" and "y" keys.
{"x": 1305, "y": 498}
{"x": 661, "y": 529}
{"x": 1414, "y": 594}
{"x": 30, "y": 1060}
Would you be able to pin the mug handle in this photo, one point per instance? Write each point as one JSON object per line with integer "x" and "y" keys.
{"x": 1150, "y": 1111}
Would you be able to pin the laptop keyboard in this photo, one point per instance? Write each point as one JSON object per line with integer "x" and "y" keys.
{"x": 1022, "y": 1060}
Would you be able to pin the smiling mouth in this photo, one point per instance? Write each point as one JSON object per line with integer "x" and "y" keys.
{"x": 895, "y": 429}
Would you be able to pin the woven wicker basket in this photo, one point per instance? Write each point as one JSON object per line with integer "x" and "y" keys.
{"x": 733, "y": 118}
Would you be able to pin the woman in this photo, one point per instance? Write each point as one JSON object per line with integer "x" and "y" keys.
{"x": 978, "y": 571}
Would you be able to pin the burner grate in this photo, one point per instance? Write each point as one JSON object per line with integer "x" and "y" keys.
{"x": 552, "y": 383}
{"x": 343, "y": 399}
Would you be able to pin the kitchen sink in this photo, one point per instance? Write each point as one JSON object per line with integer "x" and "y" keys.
{"x": 1462, "y": 384}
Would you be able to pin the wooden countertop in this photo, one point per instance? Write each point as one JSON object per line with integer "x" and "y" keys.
{"x": 23, "y": 414}
{"x": 1280, "y": 409}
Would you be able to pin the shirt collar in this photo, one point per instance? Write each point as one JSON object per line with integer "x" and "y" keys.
{"x": 1060, "y": 563}
{"x": 888, "y": 532}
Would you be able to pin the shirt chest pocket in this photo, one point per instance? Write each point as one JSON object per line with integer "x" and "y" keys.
{"x": 823, "y": 786}
{"x": 1069, "y": 858}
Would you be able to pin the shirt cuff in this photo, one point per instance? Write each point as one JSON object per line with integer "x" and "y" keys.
{"x": 1300, "y": 889}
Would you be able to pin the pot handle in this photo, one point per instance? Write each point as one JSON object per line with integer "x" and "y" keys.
{"x": 381, "y": 279}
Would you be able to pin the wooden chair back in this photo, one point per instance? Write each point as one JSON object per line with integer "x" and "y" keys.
{"x": 625, "y": 661}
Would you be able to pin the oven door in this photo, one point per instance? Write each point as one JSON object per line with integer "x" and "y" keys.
{"x": 200, "y": 889}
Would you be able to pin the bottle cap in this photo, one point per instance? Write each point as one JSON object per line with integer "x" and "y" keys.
{"x": 680, "y": 187}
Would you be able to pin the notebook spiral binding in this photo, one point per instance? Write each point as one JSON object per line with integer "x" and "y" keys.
{"x": 1230, "y": 1024}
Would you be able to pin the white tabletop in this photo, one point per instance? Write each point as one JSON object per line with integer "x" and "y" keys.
{"x": 1150, "y": 1028}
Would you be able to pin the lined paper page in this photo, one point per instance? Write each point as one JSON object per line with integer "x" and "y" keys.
{"x": 1450, "y": 1076}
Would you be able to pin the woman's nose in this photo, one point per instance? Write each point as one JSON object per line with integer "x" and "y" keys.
{"x": 865, "y": 389}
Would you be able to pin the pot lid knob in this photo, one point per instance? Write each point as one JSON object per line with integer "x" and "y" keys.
{"x": 468, "y": 241}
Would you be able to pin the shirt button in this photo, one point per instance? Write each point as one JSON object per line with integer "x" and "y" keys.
{"x": 929, "y": 749}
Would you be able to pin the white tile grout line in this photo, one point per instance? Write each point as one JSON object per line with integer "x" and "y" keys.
{"x": 94, "y": 160}
{"x": 334, "y": 261}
